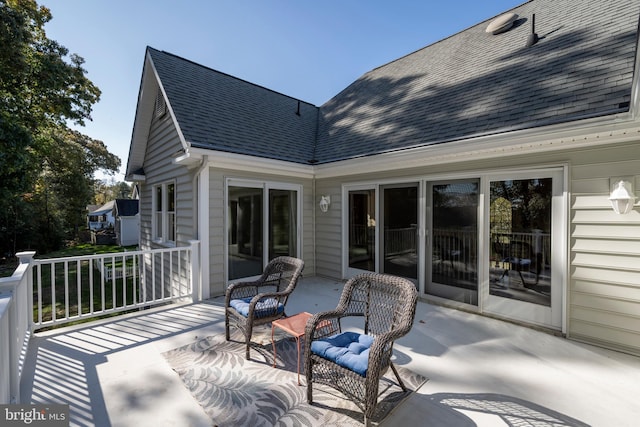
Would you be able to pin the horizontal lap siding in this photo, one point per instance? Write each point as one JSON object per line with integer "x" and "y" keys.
{"x": 604, "y": 286}
{"x": 158, "y": 168}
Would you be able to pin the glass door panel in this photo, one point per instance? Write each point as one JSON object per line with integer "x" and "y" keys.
{"x": 283, "y": 214}
{"x": 245, "y": 232}
{"x": 526, "y": 246}
{"x": 453, "y": 249}
{"x": 399, "y": 240}
{"x": 520, "y": 238}
{"x": 362, "y": 229}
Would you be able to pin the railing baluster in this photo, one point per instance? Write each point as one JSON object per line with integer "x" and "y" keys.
{"x": 162, "y": 275}
{"x": 66, "y": 288}
{"x": 113, "y": 282}
{"x": 39, "y": 293}
{"x": 90, "y": 272}
{"x": 134, "y": 277}
{"x": 171, "y": 274}
{"x": 53, "y": 292}
{"x": 79, "y": 286}
{"x": 103, "y": 297}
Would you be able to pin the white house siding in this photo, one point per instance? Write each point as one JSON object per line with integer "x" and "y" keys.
{"x": 217, "y": 209}
{"x": 603, "y": 289}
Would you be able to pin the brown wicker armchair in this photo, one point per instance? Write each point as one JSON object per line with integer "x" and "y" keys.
{"x": 353, "y": 363}
{"x": 249, "y": 304}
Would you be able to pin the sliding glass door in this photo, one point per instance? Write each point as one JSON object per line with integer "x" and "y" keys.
{"x": 262, "y": 223}
{"x": 452, "y": 250}
{"x": 361, "y": 230}
{"x": 399, "y": 239}
{"x": 525, "y": 247}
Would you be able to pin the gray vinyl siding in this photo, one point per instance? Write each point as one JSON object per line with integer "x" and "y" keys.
{"x": 329, "y": 230}
{"x": 604, "y": 288}
{"x": 217, "y": 210}
{"x": 603, "y": 275}
{"x": 158, "y": 167}
{"x": 163, "y": 139}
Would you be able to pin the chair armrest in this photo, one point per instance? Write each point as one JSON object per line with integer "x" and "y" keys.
{"x": 241, "y": 290}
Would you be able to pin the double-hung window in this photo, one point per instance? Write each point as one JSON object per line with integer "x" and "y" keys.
{"x": 164, "y": 212}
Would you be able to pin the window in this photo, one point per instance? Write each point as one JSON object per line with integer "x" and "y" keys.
{"x": 164, "y": 212}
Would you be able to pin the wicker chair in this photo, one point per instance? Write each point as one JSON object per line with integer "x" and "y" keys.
{"x": 249, "y": 304}
{"x": 354, "y": 363}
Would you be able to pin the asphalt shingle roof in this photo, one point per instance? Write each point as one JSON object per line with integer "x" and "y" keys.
{"x": 475, "y": 83}
{"x": 472, "y": 83}
{"x": 220, "y": 112}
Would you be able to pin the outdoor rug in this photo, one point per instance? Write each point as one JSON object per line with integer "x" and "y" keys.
{"x": 238, "y": 392}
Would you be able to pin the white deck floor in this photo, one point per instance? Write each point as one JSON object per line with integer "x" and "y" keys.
{"x": 482, "y": 372}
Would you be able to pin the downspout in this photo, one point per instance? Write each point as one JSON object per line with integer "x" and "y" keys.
{"x": 197, "y": 185}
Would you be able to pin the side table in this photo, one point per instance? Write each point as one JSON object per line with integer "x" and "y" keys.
{"x": 294, "y": 326}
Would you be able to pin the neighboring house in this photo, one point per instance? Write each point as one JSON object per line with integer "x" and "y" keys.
{"x": 101, "y": 217}
{"x": 127, "y": 222}
{"x": 479, "y": 167}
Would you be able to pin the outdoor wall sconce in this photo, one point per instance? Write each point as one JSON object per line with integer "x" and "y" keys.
{"x": 325, "y": 201}
{"x": 622, "y": 198}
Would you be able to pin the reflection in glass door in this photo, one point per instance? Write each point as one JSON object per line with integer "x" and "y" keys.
{"x": 283, "y": 208}
{"x": 362, "y": 229}
{"x": 245, "y": 234}
{"x": 520, "y": 238}
{"x": 453, "y": 246}
{"x": 262, "y": 223}
{"x": 399, "y": 240}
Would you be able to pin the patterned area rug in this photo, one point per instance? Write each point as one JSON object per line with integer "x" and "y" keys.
{"x": 235, "y": 391}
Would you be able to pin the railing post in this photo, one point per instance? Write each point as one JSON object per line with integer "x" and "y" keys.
{"x": 196, "y": 280}
{"x": 26, "y": 257}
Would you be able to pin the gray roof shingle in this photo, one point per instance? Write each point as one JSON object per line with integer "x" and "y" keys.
{"x": 220, "y": 112}
{"x": 472, "y": 83}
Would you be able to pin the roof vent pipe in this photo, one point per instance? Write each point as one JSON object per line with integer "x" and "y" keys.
{"x": 533, "y": 37}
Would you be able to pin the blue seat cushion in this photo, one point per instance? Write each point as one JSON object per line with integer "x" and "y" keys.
{"x": 263, "y": 308}
{"x": 348, "y": 349}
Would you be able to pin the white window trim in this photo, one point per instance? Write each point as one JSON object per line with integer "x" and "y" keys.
{"x": 161, "y": 238}
{"x": 265, "y": 185}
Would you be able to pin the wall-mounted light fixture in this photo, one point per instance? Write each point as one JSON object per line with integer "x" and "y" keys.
{"x": 622, "y": 198}
{"x": 325, "y": 201}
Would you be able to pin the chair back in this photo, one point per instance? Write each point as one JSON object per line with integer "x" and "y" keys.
{"x": 283, "y": 272}
{"x": 387, "y": 302}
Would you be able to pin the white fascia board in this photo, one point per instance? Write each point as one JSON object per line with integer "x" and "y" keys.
{"x": 590, "y": 133}
{"x": 241, "y": 162}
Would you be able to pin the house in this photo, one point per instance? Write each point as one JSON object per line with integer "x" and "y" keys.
{"x": 481, "y": 167}
{"x": 101, "y": 217}
{"x": 121, "y": 216}
{"x": 127, "y": 222}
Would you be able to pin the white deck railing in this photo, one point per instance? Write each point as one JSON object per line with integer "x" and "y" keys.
{"x": 15, "y": 328}
{"x": 49, "y": 292}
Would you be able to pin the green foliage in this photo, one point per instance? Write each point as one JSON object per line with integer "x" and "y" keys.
{"x": 46, "y": 169}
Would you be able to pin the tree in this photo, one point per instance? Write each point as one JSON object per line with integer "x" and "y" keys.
{"x": 46, "y": 169}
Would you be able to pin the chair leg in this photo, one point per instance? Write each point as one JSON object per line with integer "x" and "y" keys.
{"x": 309, "y": 375}
{"x": 247, "y": 338}
{"x": 400, "y": 383}
{"x": 226, "y": 327}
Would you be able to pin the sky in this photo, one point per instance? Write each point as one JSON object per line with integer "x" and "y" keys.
{"x": 309, "y": 50}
